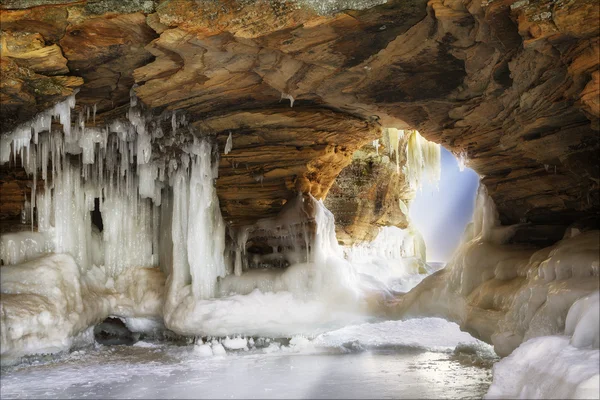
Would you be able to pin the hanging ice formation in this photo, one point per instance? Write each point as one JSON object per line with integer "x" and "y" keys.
{"x": 463, "y": 160}
{"x": 422, "y": 157}
{"x": 114, "y": 165}
{"x": 288, "y": 97}
{"x": 229, "y": 144}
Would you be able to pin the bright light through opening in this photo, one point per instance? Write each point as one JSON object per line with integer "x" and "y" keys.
{"x": 442, "y": 212}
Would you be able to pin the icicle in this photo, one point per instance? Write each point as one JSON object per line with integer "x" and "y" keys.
{"x": 462, "y": 160}
{"x": 229, "y": 144}
{"x": 148, "y": 174}
{"x": 144, "y": 149}
{"x": 33, "y": 187}
{"x": 288, "y": 97}
{"x": 394, "y": 136}
{"x": 132, "y": 97}
{"x": 423, "y": 160}
{"x": 206, "y": 229}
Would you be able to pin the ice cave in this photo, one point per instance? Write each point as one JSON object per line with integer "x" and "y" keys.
{"x": 300, "y": 199}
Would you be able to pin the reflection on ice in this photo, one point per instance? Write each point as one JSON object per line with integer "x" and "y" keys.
{"x": 326, "y": 367}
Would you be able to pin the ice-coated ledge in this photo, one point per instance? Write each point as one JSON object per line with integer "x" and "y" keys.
{"x": 48, "y": 304}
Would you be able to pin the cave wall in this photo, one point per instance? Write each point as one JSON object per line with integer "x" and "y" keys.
{"x": 371, "y": 193}
{"x": 513, "y": 84}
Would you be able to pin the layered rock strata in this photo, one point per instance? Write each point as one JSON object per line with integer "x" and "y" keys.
{"x": 513, "y": 85}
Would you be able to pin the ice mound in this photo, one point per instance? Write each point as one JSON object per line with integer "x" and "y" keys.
{"x": 431, "y": 334}
{"x": 507, "y": 294}
{"x": 583, "y": 322}
{"x": 555, "y": 367}
{"x": 48, "y": 305}
{"x": 547, "y": 368}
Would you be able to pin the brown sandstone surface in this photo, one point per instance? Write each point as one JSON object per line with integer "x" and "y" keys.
{"x": 514, "y": 84}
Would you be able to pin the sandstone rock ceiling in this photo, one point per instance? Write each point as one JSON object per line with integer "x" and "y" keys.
{"x": 514, "y": 84}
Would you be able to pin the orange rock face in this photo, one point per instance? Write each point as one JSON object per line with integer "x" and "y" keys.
{"x": 514, "y": 84}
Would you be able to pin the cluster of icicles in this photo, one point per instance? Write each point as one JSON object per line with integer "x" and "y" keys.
{"x": 113, "y": 165}
{"x": 156, "y": 211}
{"x": 423, "y": 158}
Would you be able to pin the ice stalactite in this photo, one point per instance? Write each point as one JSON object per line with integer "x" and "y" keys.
{"x": 229, "y": 144}
{"x": 197, "y": 233}
{"x": 289, "y": 97}
{"x": 423, "y": 160}
{"x": 206, "y": 228}
{"x": 393, "y": 137}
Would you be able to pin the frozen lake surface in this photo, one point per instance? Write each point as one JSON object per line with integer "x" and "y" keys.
{"x": 400, "y": 359}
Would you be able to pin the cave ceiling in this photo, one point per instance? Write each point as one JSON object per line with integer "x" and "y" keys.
{"x": 514, "y": 85}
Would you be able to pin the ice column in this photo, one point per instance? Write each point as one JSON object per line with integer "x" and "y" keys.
{"x": 206, "y": 228}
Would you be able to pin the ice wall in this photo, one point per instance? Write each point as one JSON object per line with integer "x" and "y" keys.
{"x": 506, "y": 294}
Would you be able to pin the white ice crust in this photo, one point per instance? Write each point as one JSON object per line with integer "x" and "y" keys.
{"x": 555, "y": 367}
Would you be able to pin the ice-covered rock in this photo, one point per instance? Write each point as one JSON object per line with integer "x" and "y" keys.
{"x": 507, "y": 294}
{"x": 48, "y": 305}
{"x": 547, "y": 367}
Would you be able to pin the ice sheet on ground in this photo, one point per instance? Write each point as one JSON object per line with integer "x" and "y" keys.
{"x": 168, "y": 371}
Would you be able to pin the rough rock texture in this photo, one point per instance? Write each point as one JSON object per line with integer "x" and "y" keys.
{"x": 369, "y": 194}
{"x": 281, "y": 152}
{"x": 514, "y": 84}
{"x": 15, "y": 188}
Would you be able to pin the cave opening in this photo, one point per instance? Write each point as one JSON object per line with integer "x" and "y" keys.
{"x": 442, "y": 210}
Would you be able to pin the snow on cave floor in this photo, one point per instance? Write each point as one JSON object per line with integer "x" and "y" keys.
{"x": 399, "y": 359}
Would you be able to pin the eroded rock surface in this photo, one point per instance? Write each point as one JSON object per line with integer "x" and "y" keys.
{"x": 370, "y": 193}
{"x": 513, "y": 84}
